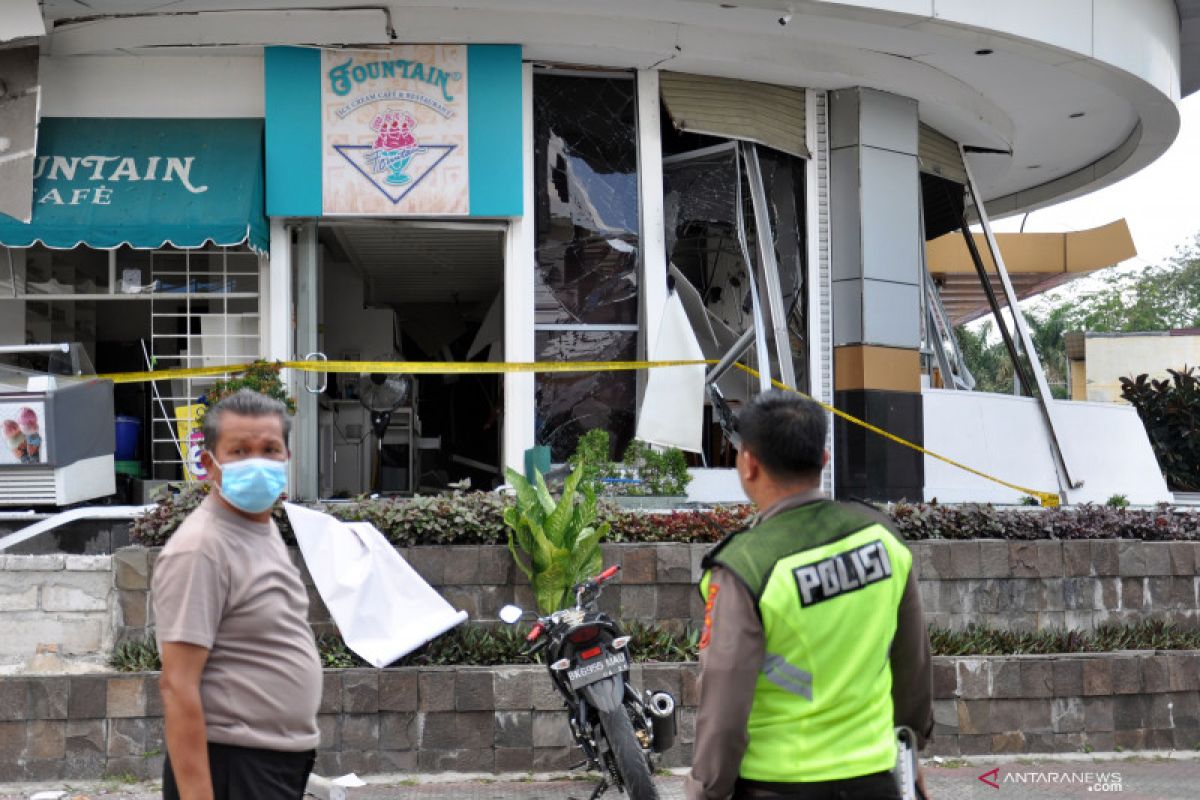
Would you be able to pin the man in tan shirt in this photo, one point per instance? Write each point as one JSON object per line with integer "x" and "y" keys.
{"x": 241, "y": 678}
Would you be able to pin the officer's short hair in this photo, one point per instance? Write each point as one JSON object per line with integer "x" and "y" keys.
{"x": 785, "y": 432}
{"x": 243, "y": 403}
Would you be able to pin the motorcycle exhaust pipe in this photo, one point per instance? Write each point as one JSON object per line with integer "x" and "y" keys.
{"x": 661, "y": 706}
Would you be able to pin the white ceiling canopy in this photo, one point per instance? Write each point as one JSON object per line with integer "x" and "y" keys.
{"x": 410, "y": 264}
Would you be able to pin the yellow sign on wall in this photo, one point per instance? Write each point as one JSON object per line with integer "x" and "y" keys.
{"x": 191, "y": 440}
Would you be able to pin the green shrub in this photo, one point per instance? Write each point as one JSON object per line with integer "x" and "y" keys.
{"x": 592, "y": 455}
{"x": 662, "y": 474}
{"x": 1170, "y": 410}
{"x": 478, "y": 518}
{"x": 452, "y": 518}
{"x": 466, "y": 645}
{"x": 978, "y": 640}
{"x": 482, "y": 645}
{"x": 658, "y": 473}
{"x": 174, "y": 502}
{"x": 135, "y": 656}
{"x": 261, "y": 376}
{"x": 561, "y": 538}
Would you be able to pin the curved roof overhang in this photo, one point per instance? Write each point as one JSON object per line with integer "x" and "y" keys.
{"x": 1044, "y": 63}
{"x": 1036, "y": 263}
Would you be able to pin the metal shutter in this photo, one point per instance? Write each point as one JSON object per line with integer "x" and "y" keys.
{"x": 938, "y": 155}
{"x": 753, "y": 112}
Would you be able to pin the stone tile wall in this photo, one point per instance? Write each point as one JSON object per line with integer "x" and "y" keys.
{"x": 1134, "y": 700}
{"x": 508, "y": 719}
{"x": 1057, "y": 584}
{"x": 1018, "y": 585}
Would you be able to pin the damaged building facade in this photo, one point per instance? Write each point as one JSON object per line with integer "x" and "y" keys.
{"x": 531, "y": 180}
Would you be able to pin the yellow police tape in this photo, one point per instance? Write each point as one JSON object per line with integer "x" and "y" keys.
{"x": 1048, "y": 499}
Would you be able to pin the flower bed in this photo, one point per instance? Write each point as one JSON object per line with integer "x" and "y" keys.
{"x": 477, "y": 518}
{"x": 483, "y": 646}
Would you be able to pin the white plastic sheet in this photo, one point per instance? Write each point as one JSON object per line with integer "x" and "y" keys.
{"x": 382, "y": 607}
{"x": 672, "y": 413}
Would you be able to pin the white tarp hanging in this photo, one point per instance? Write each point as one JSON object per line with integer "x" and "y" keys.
{"x": 672, "y": 412}
{"x": 382, "y": 607}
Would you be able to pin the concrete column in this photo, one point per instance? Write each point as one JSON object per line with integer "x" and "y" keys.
{"x": 304, "y": 431}
{"x": 519, "y": 289}
{"x": 874, "y": 197}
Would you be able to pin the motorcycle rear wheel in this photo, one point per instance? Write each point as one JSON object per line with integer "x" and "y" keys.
{"x": 631, "y": 760}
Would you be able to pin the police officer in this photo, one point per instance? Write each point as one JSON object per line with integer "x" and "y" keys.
{"x": 814, "y": 647}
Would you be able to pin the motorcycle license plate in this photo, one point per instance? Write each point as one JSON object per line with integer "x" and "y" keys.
{"x": 598, "y": 669}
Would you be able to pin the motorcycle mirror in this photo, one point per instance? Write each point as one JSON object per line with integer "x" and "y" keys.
{"x": 511, "y": 614}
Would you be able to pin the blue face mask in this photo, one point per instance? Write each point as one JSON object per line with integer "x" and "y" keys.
{"x": 253, "y": 484}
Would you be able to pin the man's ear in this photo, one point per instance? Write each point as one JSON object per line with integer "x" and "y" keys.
{"x": 208, "y": 462}
{"x": 824, "y": 459}
{"x": 749, "y": 466}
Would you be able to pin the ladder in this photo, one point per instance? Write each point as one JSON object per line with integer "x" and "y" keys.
{"x": 204, "y": 311}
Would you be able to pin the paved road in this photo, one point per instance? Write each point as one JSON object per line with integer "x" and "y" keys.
{"x": 1139, "y": 779}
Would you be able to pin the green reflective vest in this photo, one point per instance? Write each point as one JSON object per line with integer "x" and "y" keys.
{"x": 828, "y": 579}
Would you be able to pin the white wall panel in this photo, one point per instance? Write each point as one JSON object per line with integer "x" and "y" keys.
{"x": 923, "y": 8}
{"x": 1006, "y": 437}
{"x": 1001, "y": 435}
{"x": 1141, "y": 38}
{"x": 163, "y": 86}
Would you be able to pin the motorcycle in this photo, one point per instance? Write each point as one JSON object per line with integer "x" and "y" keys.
{"x": 587, "y": 657}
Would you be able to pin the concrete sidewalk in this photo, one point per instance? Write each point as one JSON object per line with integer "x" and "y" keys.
{"x": 1143, "y": 777}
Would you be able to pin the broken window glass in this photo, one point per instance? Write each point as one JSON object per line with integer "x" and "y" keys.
{"x": 587, "y": 241}
{"x": 585, "y": 174}
{"x": 783, "y": 180}
{"x": 700, "y": 207}
{"x": 570, "y": 404}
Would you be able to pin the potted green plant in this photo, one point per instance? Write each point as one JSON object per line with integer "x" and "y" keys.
{"x": 560, "y": 538}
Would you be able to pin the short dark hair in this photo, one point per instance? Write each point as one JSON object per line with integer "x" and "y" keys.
{"x": 244, "y": 403}
{"x": 786, "y": 432}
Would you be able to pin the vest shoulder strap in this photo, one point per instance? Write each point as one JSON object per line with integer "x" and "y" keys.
{"x": 752, "y": 554}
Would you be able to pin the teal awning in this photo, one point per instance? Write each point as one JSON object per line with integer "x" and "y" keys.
{"x": 145, "y": 183}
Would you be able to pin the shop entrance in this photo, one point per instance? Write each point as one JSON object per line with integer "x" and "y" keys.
{"x": 407, "y": 291}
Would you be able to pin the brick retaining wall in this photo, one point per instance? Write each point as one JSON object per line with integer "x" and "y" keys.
{"x": 1057, "y": 584}
{"x": 1018, "y": 585}
{"x": 507, "y": 719}
{"x": 66, "y": 600}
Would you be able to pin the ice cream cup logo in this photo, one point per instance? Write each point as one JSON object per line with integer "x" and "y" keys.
{"x": 394, "y": 146}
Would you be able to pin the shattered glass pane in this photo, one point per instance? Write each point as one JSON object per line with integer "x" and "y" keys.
{"x": 700, "y": 209}
{"x": 586, "y": 197}
{"x": 783, "y": 179}
{"x": 572, "y": 403}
